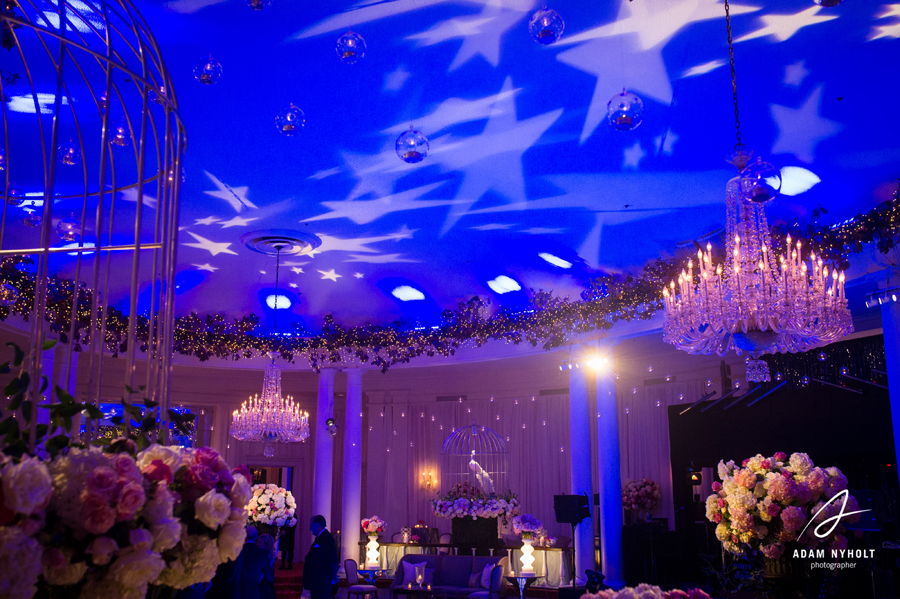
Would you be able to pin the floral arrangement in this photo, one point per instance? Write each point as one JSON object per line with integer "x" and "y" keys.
{"x": 373, "y": 525}
{"x": 272, "y": 505}
{"x": 414, "y": 539}
{"x": 115, "y": 522}
{"x": 467, "y": 501}
{"x": 544, "y": 538}
{"x": 526, "y": 525}
{"x": 642, "y": 494}
{"x": 647, "y": 591}
{"x": 767, "y": 502}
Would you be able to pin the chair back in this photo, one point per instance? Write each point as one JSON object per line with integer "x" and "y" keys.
{"x": 350, "y": 571}
{"x": 446, "y": 538}
{"x": 396, "y": 537}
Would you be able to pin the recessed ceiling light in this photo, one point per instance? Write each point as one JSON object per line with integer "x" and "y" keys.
{"x": 555, "y": 261}
{"x": 504, "y": 284}
{"x": 407, "y": 294}
{"x": 278, "y": 302}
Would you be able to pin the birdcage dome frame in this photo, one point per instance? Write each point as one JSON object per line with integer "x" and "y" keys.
{"x": 479, "y": 444}
{"x": 88, "y": 76}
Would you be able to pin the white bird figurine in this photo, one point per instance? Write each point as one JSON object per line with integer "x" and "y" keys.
{"x": 484, "y": 479}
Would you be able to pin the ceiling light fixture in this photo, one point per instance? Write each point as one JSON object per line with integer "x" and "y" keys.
{"x": 756, "y": 301}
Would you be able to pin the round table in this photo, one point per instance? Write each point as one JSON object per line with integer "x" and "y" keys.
{"x": 370, "y": 574}
{"x": 522, "y": 582}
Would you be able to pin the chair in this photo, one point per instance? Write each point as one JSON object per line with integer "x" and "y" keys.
{"x": 446, "y": 539}
{"x": 397, "y": 537}
{"x": 355, "y": 589}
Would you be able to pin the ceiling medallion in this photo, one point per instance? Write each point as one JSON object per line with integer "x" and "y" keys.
{"x": 271, "y": 242}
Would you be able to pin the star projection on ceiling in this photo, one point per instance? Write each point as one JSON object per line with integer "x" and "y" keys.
{"x": 524, "y": 177}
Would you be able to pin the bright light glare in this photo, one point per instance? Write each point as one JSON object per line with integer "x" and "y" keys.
{"x": 25, "y": 103}
{"x": 87, "y": 244}
{"x": 504, "y": 284}
{"x": 407, "y": 294}
{"x": 278, "y": 302}
{"x": 555, "y": 261}
{"x": 796, "y": 180}
{"x": 598, "y": 362}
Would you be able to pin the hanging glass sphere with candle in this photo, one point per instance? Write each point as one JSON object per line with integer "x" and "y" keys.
{"x": 760, "y": 181}
{"x": 351, "y": 47}
{"x": 259, "y": 5}
{"x": 546, "y": 26}
{"x": 2, "y": 159}
{"x": 68, "y": 154}
{"x": 121, "y": 137}
{"x": 290, "y": 121}
{"x": 208, "y": 70}
{"x": 68, "y": 229}
{"x": 30, "y": 216}
{"x": 412, "y": 146}
{"x": 625, "y": 111}
{"x": 13, "y": 197}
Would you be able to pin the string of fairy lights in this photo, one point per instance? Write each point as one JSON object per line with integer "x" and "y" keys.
{"x": 548, "y": 321}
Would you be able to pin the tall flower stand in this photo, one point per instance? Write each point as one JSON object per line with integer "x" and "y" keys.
{"x": 372, "y": 555}
{"x": 527, "y": 558}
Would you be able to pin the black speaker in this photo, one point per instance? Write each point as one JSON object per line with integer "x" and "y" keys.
{"x": 571, "y": 509}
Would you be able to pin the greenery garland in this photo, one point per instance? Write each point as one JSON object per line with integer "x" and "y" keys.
{"x": 548, "y": 321}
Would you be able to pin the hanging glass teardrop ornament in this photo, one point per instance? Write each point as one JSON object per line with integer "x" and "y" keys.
{"x": 412, "y": 146}
{"x": 30, "y": 216}
{"x": 68, "y": 229}
{"x": 259, "y": 5}
{"x": 844, "y": 371}
{"x": 760, "y": 181}
{"x": 120, "y": 135}
{"x": 208, "y": 70}
{"x": 14, "y": 198}
{"x": 68, "y": 154}
{"x": 804, "y": 381}
{"x": 625, "y": 111}
{"x": 8, "y": 295}
{"x": 546, "y": 26}
{"x": 351, "y": 47}
{"x": 290, "y": 121}
{"x": 159, "y": 96}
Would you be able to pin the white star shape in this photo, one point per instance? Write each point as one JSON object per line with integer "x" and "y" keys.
{"x": 631, "y": 157}
{"x": 366, "y": 211}
{"x": 237, "y": 221}
{"x": 328, "y": 172}
{"x": 888, "y": 10}
{"x": 236, "y": 197}
{"x": 297, "y": 270}
{"x": 206, "y": 266}
{"x": 794, "y": 74}
{"x": 330, "y": 275}
{"x": 493, "y": 227}
{"x": 455, "y": 111}
{"x": 801, "y": 129}
{"x": 665, "y": 144}
{"x": 379, "y": 259}
{"x": 891, "y": 30}
{"x": 130, "y": 195}
{"x": 206, "y": 221}
{"x": 783, "y": 27}
{"x": 395, "y": 80}
{"x": 358, "y": 275}
{"x": 703, "y": 69}
{"x": 543, "y": 231}
{"x": 359, "y": 244}
{"x": 293, "y": 285}
{"x": 210, "y": 246}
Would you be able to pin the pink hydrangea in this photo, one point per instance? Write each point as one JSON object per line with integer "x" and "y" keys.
{"x": 782, "y": 489}
{"x": 742, "y": 521}
{"x": 772, "y": 550}
{"x": 745, "y": 478}
{"x": 794, "y": 518}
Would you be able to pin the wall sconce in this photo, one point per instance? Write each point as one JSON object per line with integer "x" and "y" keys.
{"x": 427, "y": 482}
{"x": 331, "y": 427}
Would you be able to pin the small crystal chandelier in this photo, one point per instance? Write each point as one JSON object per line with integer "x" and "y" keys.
{"x": 756, "y": 301}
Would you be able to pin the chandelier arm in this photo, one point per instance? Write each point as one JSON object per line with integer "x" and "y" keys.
{"x": 737, "y": 119}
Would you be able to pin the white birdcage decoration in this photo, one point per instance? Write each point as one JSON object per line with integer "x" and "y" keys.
{"x": 477, "y": 455}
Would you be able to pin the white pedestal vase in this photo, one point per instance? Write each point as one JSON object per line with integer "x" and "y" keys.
{"x": 372, "y": 555}
{"x": 527, "y": 558}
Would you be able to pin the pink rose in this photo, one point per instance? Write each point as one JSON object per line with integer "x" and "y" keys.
{"x": 716, "y": 487}
{"x": 766, "y": 464}
{"x": 127, "y": 468}
{"x": 721, "y": 503}
{"x": 102, "y": 550}
{"x": 780, "y": 456}
{"x": 772, "y": 509}
{"x": 226, "y": 478}
{"x": 102, "y": 481}
{"x": 53, "y": 558}
{"x": 198, "y": 480}
{"x": 128, "y": 444}
{"x": 745, "y": 462}
{"x": 98, "y": 516}
{"x": 718, "y": 517}
{"x": 242, "y": 469}
{"x": 159, "y": 471}
{"x": 131, "y": 499}
{"x": 787, "y": 474}
{"x": 206, "y": 456}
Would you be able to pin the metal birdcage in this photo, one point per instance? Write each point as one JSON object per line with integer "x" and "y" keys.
{"x": 477, "y": 455}
{"x": 90, "y": 171}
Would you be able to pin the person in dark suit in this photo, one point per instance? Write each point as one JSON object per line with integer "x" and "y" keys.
{"x": 322, "y": 562}
{"x": 287, "y": 547}
{"x": 256, "y": 566}
{"x": 227, "y": 582}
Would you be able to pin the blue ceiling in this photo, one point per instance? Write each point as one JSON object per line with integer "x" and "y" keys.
{"x": 526, "y": 185}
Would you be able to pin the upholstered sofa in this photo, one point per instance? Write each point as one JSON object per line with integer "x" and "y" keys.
{"x": 453, "y": 574}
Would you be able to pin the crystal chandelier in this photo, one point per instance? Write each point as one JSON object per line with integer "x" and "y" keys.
{"x": 270, "y": 418}
{"x": 755, "y": 301}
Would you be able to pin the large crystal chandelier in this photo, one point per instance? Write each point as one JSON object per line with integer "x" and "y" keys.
{"x": 270, "y": 417}
{"x": 755, "y": 301}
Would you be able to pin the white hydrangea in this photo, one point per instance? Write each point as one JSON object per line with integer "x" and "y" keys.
{"x": 197, "y": 560}
{"x": 20, "y": 563}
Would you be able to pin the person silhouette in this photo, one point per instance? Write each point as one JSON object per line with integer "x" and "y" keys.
{"x": 322, "y": 562}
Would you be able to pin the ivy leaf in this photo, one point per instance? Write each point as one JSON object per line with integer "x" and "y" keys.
{"x": 132, "y": 410}
{"x": 18, "y": 355}
{"x": 49, "y": 344}
{"x": 64, "y": 396}
{"x": 45, "y": 380}
{"x": 93, "y": 411}
{"x": 56, "y": 444}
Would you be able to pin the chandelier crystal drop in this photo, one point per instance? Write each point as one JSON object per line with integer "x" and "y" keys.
{"x": 756, "y": 301}
{"x": 270, "y": 418}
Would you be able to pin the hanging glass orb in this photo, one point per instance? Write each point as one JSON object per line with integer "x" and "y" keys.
{"x": 120, "y": 135}
{"x": 668, "y": 377}
{"x": 709, "y": 382}
{"x": 160, "y": 96}
{"x": 844, "y": 371}
{"x": 412, "y": 146}
{"x": 102, "y": 103}
{"x": 681, "y": 397}
{"x": 625, "y": 111}
{"x": 779, "y": 376}
{"x": 649, "y": 367}
{"x": 2, "y": 159}
{"x": 68, "y": 229}
{"x": 828, "y": 3}
{"x": 8, "y": 295}
{"x": 634, "y": 390}
{"x": 290, "y": 121}
{"x": 822, "y": 357}
{"x": 268, "y": 450}
{"x": 14, "y": 198}
{"x": 804, "y": 381}
{"x": 760, "y": 181}
{"x": 208, "y": 70}
{"x": 170, "y": 177}
{"x": 68, "y": 154}
{"x": 351, "y": 47}
{"x": 30, "y": 217}
{"x": 546, "y": 26}
{"x": 259, "y": 5}
{"x": 737, "y": 384}
{"x": 628, "y": 410}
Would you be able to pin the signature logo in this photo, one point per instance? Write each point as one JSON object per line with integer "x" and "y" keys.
{"x": 832, "y": 522}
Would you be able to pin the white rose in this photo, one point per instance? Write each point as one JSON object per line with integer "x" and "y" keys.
{"x": 241, "y": 492}
{"x": 102, "y": 550}
{"x": 26, "y": 485}
{"x": 161, "y": 506}
{"x": 169, "y": 457}
{"x": 231, "y": 540}
{"x": 67, "y": 574}
{"x": 279, "y": 522}
{"x": 238, "y": 515}
{"x": 212, "y": 509}
{"x": 166, "y": 534}
{"x": 135, "y": 567}
{"x": 140, "y": 538}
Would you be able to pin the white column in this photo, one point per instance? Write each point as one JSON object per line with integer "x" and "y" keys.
{"x": 610, "y": 480}
{"x": 324, "y": 459}
{"x": 580, "y": 454}
{"x": 352, "y": 492}
{"x": 890, "y": 323}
